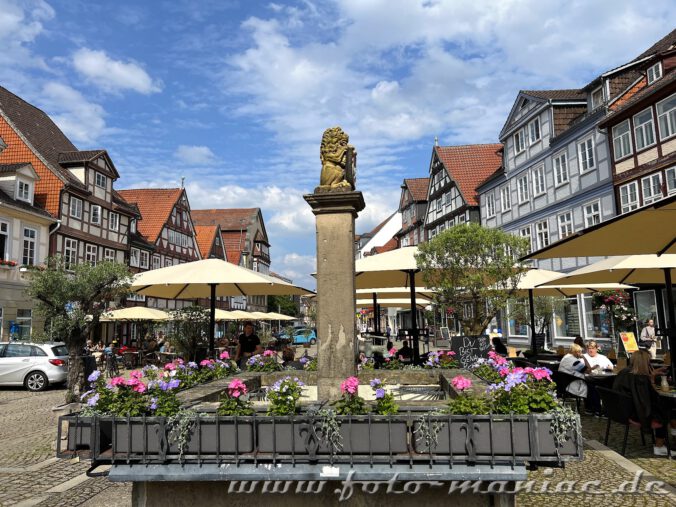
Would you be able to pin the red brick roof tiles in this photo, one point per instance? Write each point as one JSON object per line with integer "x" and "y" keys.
{"x": 390, "y": 245}
{"x": 205, "y": 235}
{"x": 233, "y": 241}
{"x": 469, "y": 165}
{"x": 418, "y": 188}
{"x": 155, "y": 205}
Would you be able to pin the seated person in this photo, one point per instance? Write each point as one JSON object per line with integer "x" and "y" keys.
{"x": 405, "y": 352}
{"x": 498, "y": 346}
{"x": 637, "y": 381}
{"x": 574, "y": 364}
{"x": 595, "y": 360}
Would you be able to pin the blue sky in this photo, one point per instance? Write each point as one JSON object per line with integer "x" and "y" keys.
{"x": 234, "y": 95}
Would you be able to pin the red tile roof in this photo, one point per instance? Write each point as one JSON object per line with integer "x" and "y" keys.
{"x": 205, "y": 235}
{"x": 155, "y": 205}
{"x": 469, "y": 165}
{"x": 233, "y": 219}
{"x": 233, "y": 241}
{"x": 390, "y": 245}
{"x": 418, "y": 188}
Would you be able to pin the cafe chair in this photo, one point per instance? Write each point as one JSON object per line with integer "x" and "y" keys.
{"x": 619, "y": 408}
{"x": 562, "y": 381}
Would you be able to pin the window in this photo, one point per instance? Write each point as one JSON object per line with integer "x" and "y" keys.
{"x": 592, "y": 214}
{"x": 654, "y": 72}
{"x": 24, "y": 321}
{"x": 671, "y": 181}
{"x": 526, "y": 233}
{"x": 101, "y": 180}
{"x": 29, "y": 236}
{"x": 4, "y": 241}
{"x": 597, "y": 98}
{"x": 539, "y": 180}
{"x": 145, "y": 259}
{"x": 70, "y": 252}
{"x": 560, "y": 164}
{"x": 621, "y": 140}
{"x": 167, "y": 263}
{"x": 518, "y": 325}
{"x": 91, "y": 256}
{"x": 666, "y": 116}
{"x": 505, "y": 198}
{"x": 585, "y": 154}
{"x": 96, "y": 214}
{"x": 132, "y": 226}
{"x": 23, "y": 191}
{"x": 490, "y": 205}
{"x": 652, "y": 188}
{"x": 565, "y": 224}
{"x": 628, "y": 197}
{"x": 534, "y": 130}
{"x": 522, "y": 189}
{"x": 542, "y": 233}
{"x": 76, "y": 207}
{"x": 113, "y": 221}
{"x": 644, "y": 129}
{"x": 157, "y": 262}
{"x": 520, "y": 141}
{"x": 109, "y": 255}
{"x": 134, "y": 257}
{"x": 17, "y": 349}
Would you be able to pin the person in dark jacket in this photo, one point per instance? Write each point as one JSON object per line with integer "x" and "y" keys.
{"x": 499, "y": 347}
{"x": 637, "y": 381}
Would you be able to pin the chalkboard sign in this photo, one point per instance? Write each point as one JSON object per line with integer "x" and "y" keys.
{"x": 468, "y": 349}
{"x": 540, "y": 341}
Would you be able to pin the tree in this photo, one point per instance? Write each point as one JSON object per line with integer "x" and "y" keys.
{"x": 190, "y": 330}
{"x": 283, "y": 304}
{"x": 545, "y": 307}
{"x": 474, "y": 271}
{"x": 72, "y": 301}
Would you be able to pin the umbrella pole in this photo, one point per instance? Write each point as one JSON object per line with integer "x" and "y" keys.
{"x": 531, "y": 307}
{"x": 212, "y": 319}
{"x": 671, "y": 329}
{"x": 375, "y": 313}
{"x": 414, "y": 319}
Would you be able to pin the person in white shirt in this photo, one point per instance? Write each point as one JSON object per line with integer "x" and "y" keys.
{"x": 595, "y": 360}
{"x": 647, "y": 339}
{"x": 574, "y": 364}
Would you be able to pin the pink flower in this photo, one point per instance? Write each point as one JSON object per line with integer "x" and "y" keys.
{"x": 497, "y": 358}
{"x": 268, "y": 353}
{"x": 170, "y": 366}
{"x": 205, "y": 362}
{"x": 237, "y": 388}
{"x": 140, "y": 387}
{"x": 503, "y": 371}
{"x": 116, "y": 381}
{"x": 179, "y": 360}
{"x": 350, "y": 385}
{"x": 224, "y": 355}
{"x": 393, "y": 351}
{"x": 137, "y": 374}
{"x": 450, "y": 353}
{"x": 461, "y": 383}
{"x": 540, "y": 373}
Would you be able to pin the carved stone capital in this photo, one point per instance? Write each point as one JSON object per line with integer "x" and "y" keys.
{"x": 335, "y": 201}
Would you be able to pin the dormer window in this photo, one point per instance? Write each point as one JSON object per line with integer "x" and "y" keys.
{"x": 23, "y": 191}
{"x": 597, "y": 97}
{"x": 654, "y": 72}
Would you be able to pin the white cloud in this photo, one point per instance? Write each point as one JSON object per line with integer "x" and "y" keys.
{"x": 21, "y": 22}
{"x": 195, "y": 155}
{"x": 113, "y": 75}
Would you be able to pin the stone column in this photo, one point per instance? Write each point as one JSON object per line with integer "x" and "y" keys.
{"x": 335, "y": 212}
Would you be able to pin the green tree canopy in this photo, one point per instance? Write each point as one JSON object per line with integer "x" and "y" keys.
{"x": 190, "y": 330}
{"x": 283, "y": 304}
{"x": 72, "y": 301}
{"x": 474, "y": 271}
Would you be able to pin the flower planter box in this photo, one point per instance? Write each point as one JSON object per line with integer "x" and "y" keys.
{"x": 137, "y": 436}
{"x": 214, "y": 436}
{"x": 83, "y": 434}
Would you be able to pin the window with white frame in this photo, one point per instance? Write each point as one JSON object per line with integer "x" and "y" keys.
{"x": 534, "y": 131}
{"x": 70, "y": 252}
{"x": 592, "y": 213}
{"x": 91, "y": 254}
{"x": 651, "y": 187}
{"x": 520, "y": 141}
{"x": 405, "y": 241}
{"x": 23, "y": 191}
{"x": 539, "y": 180}
{"x": 525, "y": 232}
{"x": 565, "y": 224}
{"x": 585, "y": 154}
{"x": 96, "y": 214}
{"x": 4, "y": 240}
{"x": 109, "y": 254}
{"x": 132, "y": 226}
{"x": 628, "y": 197}
{"x": 145, "y": 259}
{"x": 167, "y": 262}
{"x": 542, "y": 233}
{"x": 113, "y": 221}
{"x": 101, "y": 180}
{"x": 654, "y": 72}
{"x": 29, "y": 241}
{"x": 644, "y": 129}
{"x": 505, "y": 198}
{"x": 666, "y": 116}
{"x": 621, "y": 140}
{"x": 671, "y": 180}
{"x": 597, "y": 97}
{"x": 134, "y": 257}
{"x": 24, "y": 321}
{"x": 76, "y": 207}
{"x": 560, "y": 163}
{"x": 490, "y": 205}
{"x": 522, "y": 189}
{"x": 157, "y": 262}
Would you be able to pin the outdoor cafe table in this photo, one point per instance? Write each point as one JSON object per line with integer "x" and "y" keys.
{"x": 604, "y": 379}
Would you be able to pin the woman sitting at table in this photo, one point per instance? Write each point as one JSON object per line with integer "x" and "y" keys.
{"x": 595, "y": 360}
{"x": 637, "y": 381}
{"x": 574, "y": 364}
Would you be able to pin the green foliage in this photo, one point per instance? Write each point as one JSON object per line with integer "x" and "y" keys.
{"x": 544, "y": 306}
{"x": 330, "y": 430}
{"x": 181, "y": 427}
{"x": 72, "y": 301}
{"x": 473, "y": 267}
{"x": 190, "y": 330}
{"x": 467, "y": 404}
{"x": 526, "y": 398}
{"x": 311, "y": 365}
{"x": 283, "y": 304}
{"x": 263, "y": 362}
{"x": 386, "y": 405}
{"x": 564, "y": 422}
{"x": 350, "y": 405}
{"x": 284, "y": 395}
{"x": 234, "y": 406}
{"x": 488, "y": 373}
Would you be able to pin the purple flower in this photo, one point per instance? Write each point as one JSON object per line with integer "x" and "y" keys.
{"x": 304, "y": 360}
{"x": 153, "y": 403}
{"x": 93, "y": 400}
{"x": 375, "y": 383}
{"x": 380, "y": 393}
{"x": 84, "y": 395}
{"x": 174, "y": 383}
{"x": 193, "y": 365}
{"x": 94, "y": 376}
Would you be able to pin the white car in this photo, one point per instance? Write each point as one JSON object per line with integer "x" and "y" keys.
{"x": 33, "y": 365}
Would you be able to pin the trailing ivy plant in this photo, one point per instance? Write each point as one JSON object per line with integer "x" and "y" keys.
{"x": 427, "y": 430}
{"x": 330, "y": 430}
{"x": 181, "y": 428}
{"x": 564, "y": 421}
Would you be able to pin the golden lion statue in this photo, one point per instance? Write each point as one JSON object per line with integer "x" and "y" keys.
{"x": 333, "y": 154}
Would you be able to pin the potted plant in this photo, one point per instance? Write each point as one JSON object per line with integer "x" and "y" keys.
{"x": 282, "y": 434}
{"x": 265, "y": 362}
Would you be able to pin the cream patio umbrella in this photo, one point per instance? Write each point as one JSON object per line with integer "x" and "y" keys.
{"x": 134, "y": 313}
{"x": 280, "y": 316}
{"x": 391, "y": 303}
{"x": 210, "y": 278}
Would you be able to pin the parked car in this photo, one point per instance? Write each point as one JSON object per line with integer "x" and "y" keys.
{"x": 33, "y": 365}
{"x": 299, "y": 337}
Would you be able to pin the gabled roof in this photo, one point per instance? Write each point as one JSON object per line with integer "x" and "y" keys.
{"x": 573, "y": 94}
{"x": 155, "y": 205}
{"x": 469, "y": 165}
{"x": 231, "y": 219}
{"x": 390, "y": 245}
{"x": 233, "y": 242}
{"x": 80, "y": 156}
{"x": 205, "y": 235}
{"x": 664, "y": 44}
{"x": 12, "y": 168}
{"x": 15, "y": 203}
{"x": 377, "y": 228}
{"x": 418, "y": 188}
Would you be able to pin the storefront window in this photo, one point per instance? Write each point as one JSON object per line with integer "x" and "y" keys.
{"x": 664, "y": 301}
{"x": 517, "y": 313}
{"x": 567, "y": 319}
{"x": 597, "y": 319}
{"x": 646, "y": 308}
{"x": 23, "y": 322}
